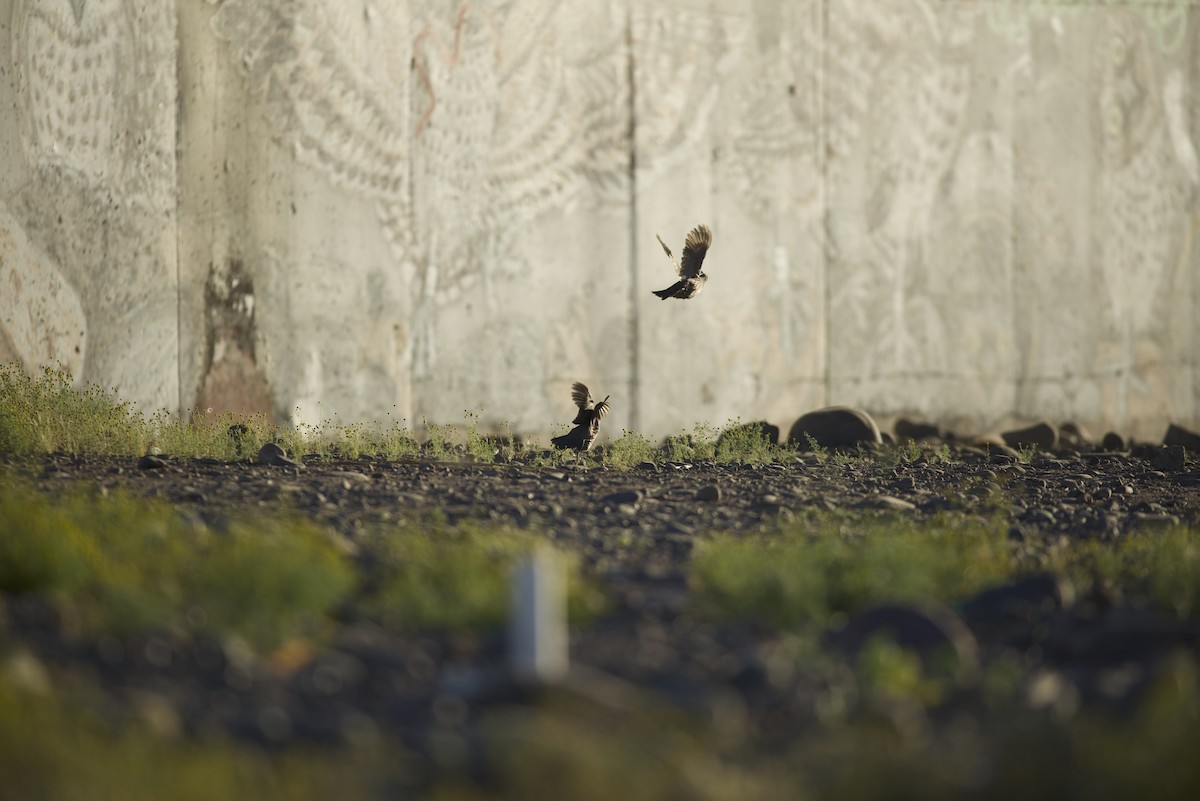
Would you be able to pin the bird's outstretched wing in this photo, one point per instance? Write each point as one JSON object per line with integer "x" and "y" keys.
{"x": 602, "y": 409}
{"x": 670, "y": 255}
{"x": 580, "y": 395}
{"x": 694, "y": 248}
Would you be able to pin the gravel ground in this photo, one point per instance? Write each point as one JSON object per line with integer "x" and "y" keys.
{"x": 635, "y": 531}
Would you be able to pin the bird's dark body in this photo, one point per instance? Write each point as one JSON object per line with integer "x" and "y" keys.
{"x": 684, "y": 288}
{"x": 579, "y": 438}
{"x": 586, "y": 422}
{"x": 691, "y": 278}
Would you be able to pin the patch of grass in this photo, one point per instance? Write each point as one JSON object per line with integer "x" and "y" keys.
{"x": 745, "y": 443}
{"x": 698, "y": 446}
{"x": 830, "y": 563}
{"x": 479, "y": 448}
{"x": 629, "y": 451}
{"x": 56, "y": 749}
{"x": 397, "y": 442}
{"x": 223, "y": 436}
{"x": 47, "y": 414}
{"x": 817, "y": 449}
{"x": 1158, "y": 567}
{"x": 122, "y": 566}
{"x": 437, "y": 441}
{"x": 431, "y": 575}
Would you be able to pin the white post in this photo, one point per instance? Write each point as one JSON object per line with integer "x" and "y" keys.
{"x": 537, "y": 622}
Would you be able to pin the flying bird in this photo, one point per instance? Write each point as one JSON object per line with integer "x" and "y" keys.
{"x": 691, "y": 278}
{"x": 586, "y": 422}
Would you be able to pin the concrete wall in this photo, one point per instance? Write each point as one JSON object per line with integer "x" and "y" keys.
{"x": 371, "y": 210}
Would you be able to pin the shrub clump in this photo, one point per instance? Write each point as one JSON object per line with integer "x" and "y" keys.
{"x": 835, "y": 563}
{"x": 122, "y": 566}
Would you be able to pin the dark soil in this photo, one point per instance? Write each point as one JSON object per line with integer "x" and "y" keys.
{"x": 635, "y": 530}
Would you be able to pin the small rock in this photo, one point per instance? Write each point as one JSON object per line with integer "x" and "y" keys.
{"x": 625, "y": 496}
{"x": 1114, "y": 443}
{"x": 888, "y": 502}
{"x": 1178, "y": 435}
{"x": 930, "y": 630}
{"x": 1041, "y": 435}
{"x": 1050, "y": 690}
{"x": 274, "y": 724}
{"x": 835, "y": 427}
{"x": 1153, "y": 520}
{"x": 273, "y": 454}
{"x": 709, "y": 493}
{"x": 1170, "y": 457}
{"x": 157, "y": 712}
{"x": 26, "y": 672}
{"x": 152, "y": 462}
{"x": 1191, "y": 479}
{"x": 1073, "y": 435}
{"x": 916, "y": 430}
{"x": 1021, "y": 600}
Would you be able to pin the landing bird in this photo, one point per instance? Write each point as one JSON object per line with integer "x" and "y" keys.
{"x": 691, "y": 279}
{"x": 587, "y": 421}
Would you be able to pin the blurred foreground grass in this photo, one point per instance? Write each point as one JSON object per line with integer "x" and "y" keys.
{"x": 826, "y": 564}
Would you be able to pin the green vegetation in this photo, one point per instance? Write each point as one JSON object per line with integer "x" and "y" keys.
{"x": 48, "y": 414}
{"x": 1161, "y": 567}
{"x": 629, "y": 451}
{"x": 53, "y": 748}
{"x": 824, "y": 564}
{"x": 746, "y": 443}
{"x": 431, "y": 575}
{"x": 123, "y": 566}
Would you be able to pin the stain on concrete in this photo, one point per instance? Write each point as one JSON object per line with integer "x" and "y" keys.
{"x": 232, "y": 381}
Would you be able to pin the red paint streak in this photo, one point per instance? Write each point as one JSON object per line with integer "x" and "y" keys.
{"x": 450, "y": 56}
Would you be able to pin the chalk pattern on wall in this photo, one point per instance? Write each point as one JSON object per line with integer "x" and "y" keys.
{"x": 464, "y": 121}
{"x": 95, "y": 111}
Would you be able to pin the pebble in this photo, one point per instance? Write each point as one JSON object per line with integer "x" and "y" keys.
{"x": 622, "y": 497}
{"x": 709, "y": 493}
{"x": 889, "y": 502}
{"x": 273, "y": 454}
{"x": 152, "y": 462}
{"x": 1170, "y": 458}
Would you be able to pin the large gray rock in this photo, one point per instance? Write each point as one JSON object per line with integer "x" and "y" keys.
{"x": 1178, "y": 435}
{"x": 1041, "y": 435}
{"x": 1114, "y": 443}
{"x": 1073, "y": 435}
{"x": 906, "y": 428}
{"x": 835, "y": 427}
{"x": 1170, "y": 457}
